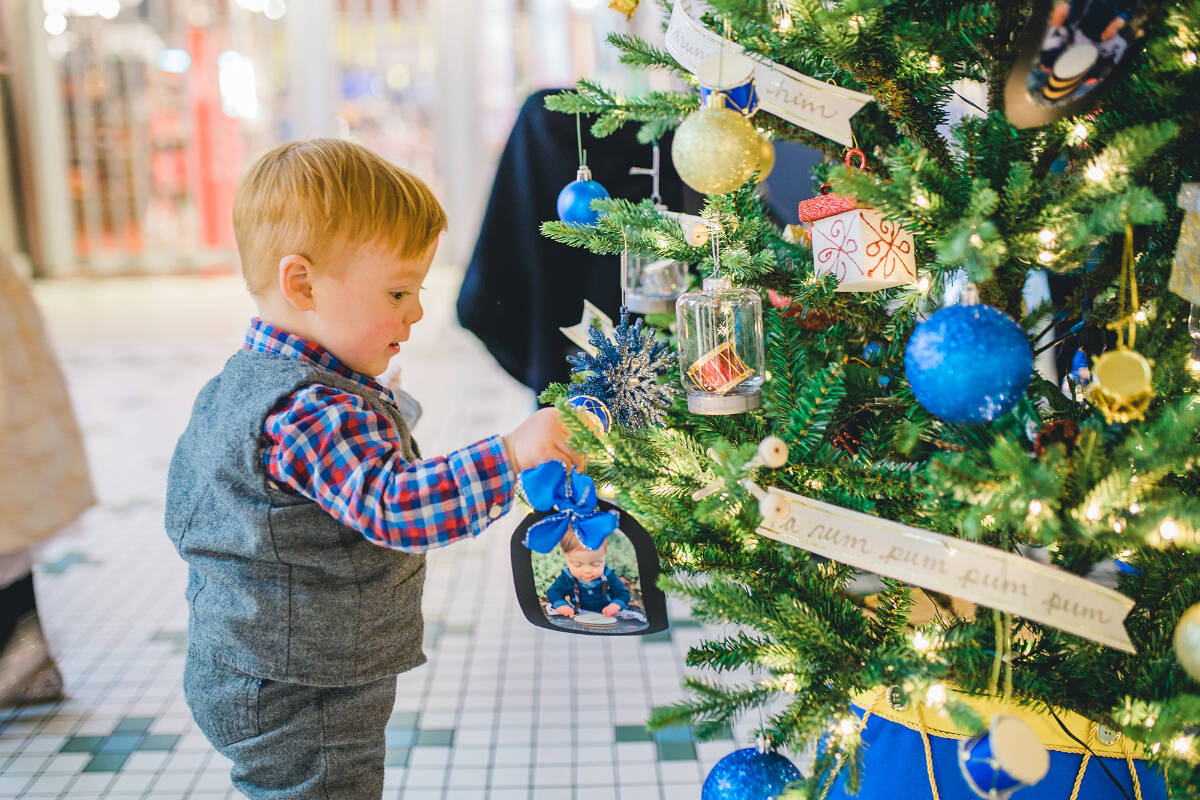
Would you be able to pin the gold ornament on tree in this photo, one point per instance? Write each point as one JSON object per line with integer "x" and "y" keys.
{"x": 1185, "y": 275}
{"x": 1187, "y": 641}
{"x": 766, "y": 159}
{"x": 715, "y": 149}
{"x": 1122, "y": 386}
{"x": 626, "y": 7}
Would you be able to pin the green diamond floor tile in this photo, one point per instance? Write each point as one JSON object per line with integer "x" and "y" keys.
{"x": 403, "y": 719}
{"x": 397, "y": 757}
{"x": 676, "y": 751}
{"x": 134, "y": 725}
{"x": 436, "y": 737}
{"x": 81, "y": 744}
{"x": 675, "y": 733}
{"x": 162, "y": 742}
{"x": 400, "y": 738}
{"x": 631, "y": 733}
{"x": 120, "y": 743}
{"x": 106, "y": 762}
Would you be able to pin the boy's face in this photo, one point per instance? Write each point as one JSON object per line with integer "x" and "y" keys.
{"x": 363, "y": 314}
{"x": 586, "y": 565}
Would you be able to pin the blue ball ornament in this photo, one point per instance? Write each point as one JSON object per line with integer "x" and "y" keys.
{"x": 575, "y": 200}
{"x": 968, "y": 364}
{"x": 594, "y": 407}
{"x": 748, "y": 774}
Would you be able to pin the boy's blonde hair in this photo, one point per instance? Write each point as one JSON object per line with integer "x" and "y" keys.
{"x": 569, "y": 543}
{"x": 309, "y": 197}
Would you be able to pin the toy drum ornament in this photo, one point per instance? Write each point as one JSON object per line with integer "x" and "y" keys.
{"x": 733, "y": 76}
{"x": 721, "y": 348}
{"x": 1006, "y": 757}
{"x": 651, "y": 285}
{"x": 864, "y": 251}
{"x": 1069, "y": 71}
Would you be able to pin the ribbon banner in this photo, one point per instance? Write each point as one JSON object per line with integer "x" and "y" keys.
{"x": 969, "y": 570}
{"x": 820, "y": 107}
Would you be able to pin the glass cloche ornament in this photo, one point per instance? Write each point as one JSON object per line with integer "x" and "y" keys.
{"x": 720, "y": 334}
{"x": 649, "y": 284}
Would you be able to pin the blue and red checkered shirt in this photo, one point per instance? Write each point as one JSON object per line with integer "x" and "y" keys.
{"x": 333, "y": 448}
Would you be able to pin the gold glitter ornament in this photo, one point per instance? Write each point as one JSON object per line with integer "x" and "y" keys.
{"x": 1187, "y": 641}
{"x": 715, "y": 150}
{"x": 1121, "y": 385}
{"x": 766, "y": 160}
{"x": 626, "y": 7}
{"x": 1122, "y": 382}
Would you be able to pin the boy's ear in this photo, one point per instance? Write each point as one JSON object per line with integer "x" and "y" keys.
{"x": 295, "y": 281}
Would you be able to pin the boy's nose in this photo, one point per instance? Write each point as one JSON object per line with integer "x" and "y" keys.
{"x": 416, "y": 315}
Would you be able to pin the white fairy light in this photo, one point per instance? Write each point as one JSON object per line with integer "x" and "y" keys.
{"x": 921, "y": 643}
{"x": 1135, "y": 507}
{"x": 1046, "y": 235}
{"x": 976, "y": 240}
{"x": 1118, "y": 526}
{"x": 936, "y": 696}
{"x": 846, "y": 727}
{"x": 1168, "y": 530}
{"x": 923, "y": 284}
{"x": 1093, "y": 512}
{"x": 1182, "y": 744}
{"x": 1035, "y": 507}
{"x": 1095, "y": 173}
{"x": 1140, "y": 316}
{"x": 1189, "y": 58}
{"x": 1080, "y": 132}
{"x": 1045, "y": 256}
{"x": 921, "y": 200}
{"x": 935, "y": 64}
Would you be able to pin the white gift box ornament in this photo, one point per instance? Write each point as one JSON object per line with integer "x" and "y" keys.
{"x": 864, "y": 251}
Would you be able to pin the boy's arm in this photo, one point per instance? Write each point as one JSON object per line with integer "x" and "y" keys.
{"x": 334, "y": 449}
{"x": 618, "y": 592}
{"x": 558, "y": 591}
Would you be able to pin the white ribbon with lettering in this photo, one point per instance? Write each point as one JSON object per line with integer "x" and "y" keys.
{"x": 820, "y": 107}
{"x": 969, "y": 570}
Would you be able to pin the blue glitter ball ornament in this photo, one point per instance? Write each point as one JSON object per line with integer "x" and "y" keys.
{"x": 575, "y": 200}
{"x": 747, "y": 774}
{"x": 968, "y": 364}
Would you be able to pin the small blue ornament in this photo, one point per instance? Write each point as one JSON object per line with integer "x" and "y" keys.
{"x": 968, "y": 364}
{"x": 872, "y": 351}
{"x": 590, "y": 405}
{"x": 1006, "y": 757}
{"x": 575, "y": 200}
{"x": 748, "y": 774}
{"x": 1080, "y": 372}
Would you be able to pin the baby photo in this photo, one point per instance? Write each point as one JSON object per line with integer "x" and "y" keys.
{"x": 594, "y": 590}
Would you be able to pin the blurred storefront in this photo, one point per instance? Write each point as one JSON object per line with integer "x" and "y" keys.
{"x": 127, "y": 122}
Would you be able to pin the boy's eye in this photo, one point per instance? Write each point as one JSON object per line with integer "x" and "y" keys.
{"x": 399, "y": 295}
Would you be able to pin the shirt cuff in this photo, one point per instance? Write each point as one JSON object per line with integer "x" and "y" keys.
{"x": 486, "y": 480}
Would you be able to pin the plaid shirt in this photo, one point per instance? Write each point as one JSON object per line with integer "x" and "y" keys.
{"x": 333, "y": 448}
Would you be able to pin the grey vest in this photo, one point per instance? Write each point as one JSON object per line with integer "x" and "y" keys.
{"x": 278, "y": 588}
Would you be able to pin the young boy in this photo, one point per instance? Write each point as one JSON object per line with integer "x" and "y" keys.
{"x": 587, "y": 580}
{"x": 297, "y": 495}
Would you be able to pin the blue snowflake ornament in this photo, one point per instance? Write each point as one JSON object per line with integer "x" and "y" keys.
{"x": 624, "y": 373}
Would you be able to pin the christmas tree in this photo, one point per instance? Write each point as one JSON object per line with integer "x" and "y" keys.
{"x": 1096, "y": 474}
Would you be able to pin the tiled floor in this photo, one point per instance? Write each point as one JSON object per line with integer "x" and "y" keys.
{"x": 503, "y": 710}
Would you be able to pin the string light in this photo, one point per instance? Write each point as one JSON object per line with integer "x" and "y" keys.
{"x": 1118, "y": 526}
{"x": 1080, "y": 132}
{"x": 1140, "y": 316}
{"x": 1189, "y": 58}
{"x": 976, "y": 240}
{"x": 1093, "y": 512}
{"x": 1135, "y": 508}
{"x": 1095, "y": 173}
{"x": 923, "y": 284}
{"x": 921, "y": 643}
{"x": 1045, "y": 256}
{"x": 921, "y": 200}
{"x": 1126, "y": 553}
{"x": 936, "y": 696}
{"x": 1182, "y": 744}
{"x": 935, "y": 64}
{"x": 846, "y": 728}
{"x": 1046, "y": 235}
{"x": 1194, "y": 366}
{"x": 1168, "y": 530}
{"x": 790, "y": 684}
{"x": 1035, "y": 507}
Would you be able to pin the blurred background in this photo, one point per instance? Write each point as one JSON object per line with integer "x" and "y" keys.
{"x": 124, "y": 124}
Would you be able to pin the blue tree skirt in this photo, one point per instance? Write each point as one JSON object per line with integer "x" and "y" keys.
{"x": 894, "y": 767}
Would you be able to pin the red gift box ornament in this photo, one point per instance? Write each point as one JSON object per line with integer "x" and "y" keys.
{"x": 860, "y": 248}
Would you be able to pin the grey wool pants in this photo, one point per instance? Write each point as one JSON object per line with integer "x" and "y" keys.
{"x": 292, "y": 742}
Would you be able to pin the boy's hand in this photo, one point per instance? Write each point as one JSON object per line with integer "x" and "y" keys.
{"x": 538, "y": 439}
{"x": 566, "y": 611}
{"x": 611, "y": 610}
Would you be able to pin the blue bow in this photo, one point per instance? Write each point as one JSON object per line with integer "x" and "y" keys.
{"x": 551, "y": 487}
